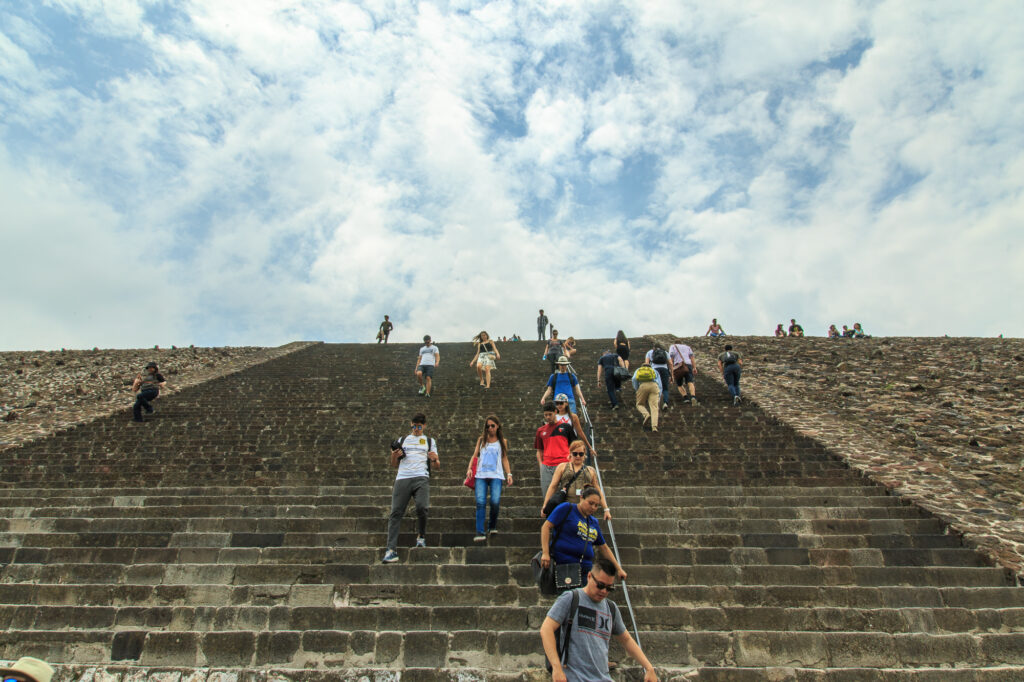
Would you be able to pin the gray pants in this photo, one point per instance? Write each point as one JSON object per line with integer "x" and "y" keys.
{"x": 546, "y": 474}
{"x": 419, "y": 490}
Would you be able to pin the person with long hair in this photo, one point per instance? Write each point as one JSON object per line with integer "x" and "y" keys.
{"x": 564, "y": 414}
{"x": 489, "y": 464}
{"x": 486, "y": 354}
{"x": 574, "y": 477}
{"x": 569, "y": 347}
{"x": 622, "y": 347}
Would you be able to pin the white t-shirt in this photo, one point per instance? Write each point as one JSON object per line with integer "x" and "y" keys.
{"x": 415, "y": 462}
{"x": 427, "y": 354}
{"x": 681, "y": 354}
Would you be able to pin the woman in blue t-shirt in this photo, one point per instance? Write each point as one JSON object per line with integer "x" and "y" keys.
{"x": 571, "y": 533}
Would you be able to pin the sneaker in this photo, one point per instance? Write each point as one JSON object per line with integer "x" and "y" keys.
{"x": 664, "y": 406}
{"x": 615, "y": 407}
{"x": 426, "y": 395}
{"x": 493, "y": 531}
{"x": 390, "y": 557}
{"x": 694, "y": 402}
{"x": 736, "y": 400}
{"x": 421, "y": 542}
{"x": 479, "y": 538}
{"x": 150, "y": 410}
{"x": 423, "y": 389}
{"x": 137, "y": 419}
{"x": 654, "y": 429}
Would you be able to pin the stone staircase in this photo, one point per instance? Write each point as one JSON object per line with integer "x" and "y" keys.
{"x": 240, "y": 531}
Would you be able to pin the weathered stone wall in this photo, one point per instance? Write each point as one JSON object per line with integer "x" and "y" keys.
{"x": 937, "y": 420}
{"x": 43, "y": 391}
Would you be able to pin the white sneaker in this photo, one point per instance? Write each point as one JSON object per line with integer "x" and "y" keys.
{"x": 480, "y": 538}
{"x": 736, "y": 400}
{"x": 390, "y": 557}
{"x": 421, "y": 542}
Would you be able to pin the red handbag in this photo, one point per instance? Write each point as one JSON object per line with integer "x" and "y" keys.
{"x": 470, "y": 481}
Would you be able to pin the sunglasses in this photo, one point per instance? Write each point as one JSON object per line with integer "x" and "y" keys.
{"x": 492, "y": 426}
{"x": 578, "y": 454}
{"x": 607, "y": 587}
{"x": 417, "y": 426}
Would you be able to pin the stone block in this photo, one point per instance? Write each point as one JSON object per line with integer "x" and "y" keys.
{"x": 425, "y": 649}
{"x": 229, "y": 648}
{"x": 127, "y": 646}
{"x": 335, "y": 642}
{"x": 803, "y": 649}
{"x": 861, "y": 649}
{"x": 170, "y": 649}
{"x": 933, "y": 650}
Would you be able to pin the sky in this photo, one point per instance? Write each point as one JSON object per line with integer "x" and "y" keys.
{"x": 229, "y": 172}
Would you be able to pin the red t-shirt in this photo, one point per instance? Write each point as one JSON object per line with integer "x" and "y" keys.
{"x": 553, "y": 440}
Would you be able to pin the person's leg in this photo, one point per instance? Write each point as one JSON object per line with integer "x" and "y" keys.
{"x": 419, "y": 377}
{"x": 137, "y": 408}
{"x": 400, "y": 494}
{"x": 732, "y": 380}
{"x": 495, "y": 484}
{"x": 421, "y": 495}
{"x": 653, "y": 405}
{"x": 609, "y": 384}
{"x": 428, "y": 379}
{"x": 546, "y": 474}
{"x": 642, "y": 395}
{"x": 480, "y": 492}
{"x": 666, "y": 384}
{"x": 487, "y": 376}
{"x": 738, "y": 373}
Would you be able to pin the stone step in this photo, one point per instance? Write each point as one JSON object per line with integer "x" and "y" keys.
{"x": 503, "y": 650}
{"x": 456, "y": 618}
{"x": 391, "y": 594}
{"x": 496, "y": 574}
{"x": 479, "y": 554}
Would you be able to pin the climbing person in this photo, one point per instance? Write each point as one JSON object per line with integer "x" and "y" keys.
{"x": 647, "y": 385}
{"x": 606, "y": 366}
{"x": 684, "y": 367}
{"x": 731, "y": 366}
{"x": 622, "y": 347}
{"x": 658, "y": 358}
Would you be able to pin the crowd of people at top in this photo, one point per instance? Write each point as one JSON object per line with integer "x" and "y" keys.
{"x": 796, "y": 330}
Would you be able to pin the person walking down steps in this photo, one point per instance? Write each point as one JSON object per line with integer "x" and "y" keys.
{"x": 489, "y": 464}
{"x": 427, "y": 361}
{"x": 147, "y": 385}
{"x": 414, "y": 455}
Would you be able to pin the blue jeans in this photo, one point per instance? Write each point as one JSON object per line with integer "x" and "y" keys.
{"x": 142, "y": 401}
{"x": 482, "y": 486}
{"x": 731, "y": 374}
{"x": 666, "y": 382}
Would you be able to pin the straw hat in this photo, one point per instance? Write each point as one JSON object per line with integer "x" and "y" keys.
{"x": 32, "y": 668}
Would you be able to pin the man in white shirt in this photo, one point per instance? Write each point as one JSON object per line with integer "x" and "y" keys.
{"x": 684, "y": 369}
{"x": 429, "y": 357}
{"x": 413, "y": 455}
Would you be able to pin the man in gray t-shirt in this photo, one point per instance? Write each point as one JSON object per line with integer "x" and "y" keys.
{"x": 595, "y": 622}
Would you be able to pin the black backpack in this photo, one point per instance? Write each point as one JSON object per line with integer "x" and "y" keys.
{"x": 399, "y": 444}
{"x": 659, "y": 357}
{"x": 565, "y": 629}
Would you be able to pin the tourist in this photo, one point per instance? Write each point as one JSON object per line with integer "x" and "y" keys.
{"x": 570, "y": 535}
{"x": 564, "y": 381}
{"x": 847, "y": 332}
{"x": 714, "y": 329}
{"x": 606, "y": 366}
{"x": 385, "y": 330}
{"x": 573, "y": 477}
{"x": 427, "y": 360}
{"x": 596, "y": 619}
{"x": 27, "y": 669}
{"x": 858, "y": 331}
{"x": 795, "y": 329}
{"x": 780, "y": 332}
{"x": 413, "y": 455}
{"x": 146, "y": 387}
{"x": 658, "y": 358}
{"x": 486, "y": 354}
{"x": 553, "y": 350}
{"x": 833, "y": 333}
{"x": 731, "y": 366}
{"x": 569, "y": 347}
{"x": 489, "y": 464}
{"x": 542, "y": 326}
{"x": 647, "y": 385}
{"x": 622, "y": 347}
{"x": 684, "y": 367}
{"x": 564, "y": 415}
{"x": 551, "y": 442}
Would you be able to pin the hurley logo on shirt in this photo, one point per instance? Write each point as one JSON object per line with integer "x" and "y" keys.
{"x": 589, "y": 620}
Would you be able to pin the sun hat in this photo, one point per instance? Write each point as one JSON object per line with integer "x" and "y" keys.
{"x": 561, "y": 398}
{"x": 30, "y": 667}
{"x": 562, "y": 360}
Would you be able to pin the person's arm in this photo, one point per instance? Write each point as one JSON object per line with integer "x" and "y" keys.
{"x": 506, "y": 465}
{"x": 476, "y": 453}
{"x": 545, "y": 543}
{"x": 631, "y": 647}
{"x": 721, "y": 367}
{"x": 579, "y": 393}
{"x": 137, "y": 382}
{"x": 607, "y": 554}
{"x": 553, "y": 486}
{"x": 547, "y": 394}
{"x": 475, "y": 357}
{"x": 395, "y": 456}
{"x": 547, "y": 638}
{"x": 604, "y": 502}
{"x": 600, "y": 373}
{"x": 437, "y": 357}
{"x": 708, "y": 332}
{"x": 621, "y": 363}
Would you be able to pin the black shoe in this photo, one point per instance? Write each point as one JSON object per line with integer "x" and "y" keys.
{"x": 137, "y": 419}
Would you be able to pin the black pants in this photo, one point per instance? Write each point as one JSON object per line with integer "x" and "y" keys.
{"x": 142, "y": 401}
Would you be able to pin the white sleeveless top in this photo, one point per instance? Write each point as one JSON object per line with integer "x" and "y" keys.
{"x": 489, "y": 462}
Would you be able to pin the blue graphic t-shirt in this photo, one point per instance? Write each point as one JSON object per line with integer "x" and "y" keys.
{"x": 577, "y": 535}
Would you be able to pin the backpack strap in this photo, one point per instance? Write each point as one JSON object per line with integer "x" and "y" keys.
{"x": 566, "y": 630}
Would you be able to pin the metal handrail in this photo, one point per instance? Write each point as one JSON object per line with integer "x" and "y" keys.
{"x": 611, "y": 529}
